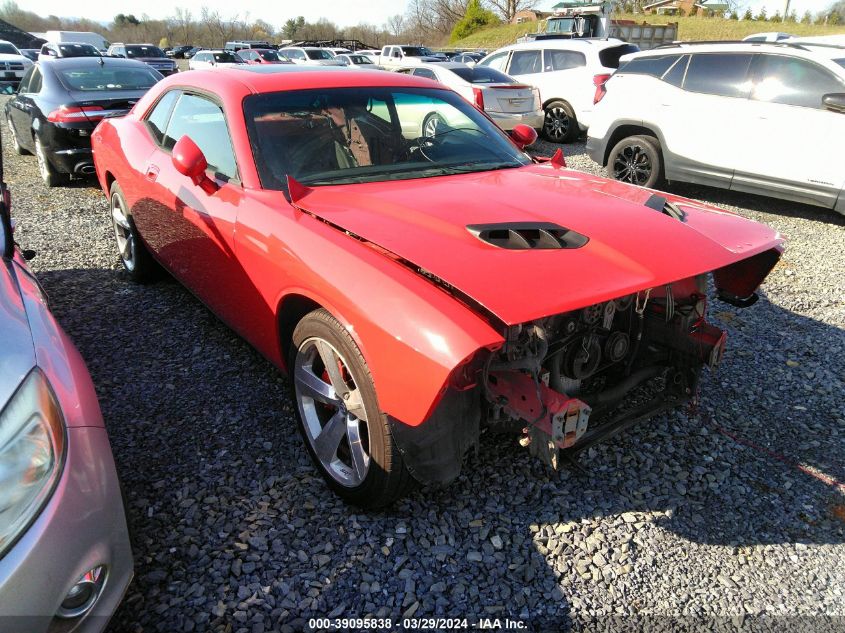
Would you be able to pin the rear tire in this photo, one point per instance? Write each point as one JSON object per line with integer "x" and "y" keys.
{"x": 136, "y": 259}
{"x": 344, "y": 430}
{"x": 636, "y": 160}
{"x": 560, "y": 124}
{"x": 49, "y": 174}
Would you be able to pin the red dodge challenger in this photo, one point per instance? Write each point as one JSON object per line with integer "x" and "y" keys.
{"x": 418, "y": 275}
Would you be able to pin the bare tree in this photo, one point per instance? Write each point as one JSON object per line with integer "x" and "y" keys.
{"x": 507, "y": 9}
{"x": 395, "y": 24}
{"x": 183, "y": 20}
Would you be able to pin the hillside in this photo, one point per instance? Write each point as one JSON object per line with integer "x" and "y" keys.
{"x": 691, "y": 28}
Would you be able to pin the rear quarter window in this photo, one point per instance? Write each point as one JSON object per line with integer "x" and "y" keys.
{"x": 564, "y": 60}
{"x": 653, "y": 65}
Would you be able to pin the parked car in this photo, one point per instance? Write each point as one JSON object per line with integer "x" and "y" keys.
{"x": 240, "y": 45}
{"x": 68, "y": 49}
{"x": 399, "y": 55}
{"x": 649, "y": 125}
{"x": 207, "y": 59}
{"x": 470, "y": 59}
{"x": 418, "y": 287}
{"x": 262, "y": 56}
{"x": 178, "y": 52}
{"x": 508, "y": 102}
{"x": 190, "y": 53}
{"x": 770, "y": 36}
{"x": 310, "y": 56}
{"x": 357, "y": 61}
{"x": 13, "y": 64}
{"x": 60, "y": 101}
{"x": 569, "y": 74}
{"x": 30, "y": 53}
{"x": 372, "y": 53}
{"x": 65, "y": 557}
{"x": 338, "y": 51}
{"x": 151, "y": 55}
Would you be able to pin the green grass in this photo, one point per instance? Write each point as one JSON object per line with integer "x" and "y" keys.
{"x": 691, "y": 28}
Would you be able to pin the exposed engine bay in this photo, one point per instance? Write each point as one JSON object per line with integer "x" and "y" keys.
{"x": 570, "y": 380}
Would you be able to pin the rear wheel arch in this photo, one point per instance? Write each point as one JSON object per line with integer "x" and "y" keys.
{"x": 630, "y": 129}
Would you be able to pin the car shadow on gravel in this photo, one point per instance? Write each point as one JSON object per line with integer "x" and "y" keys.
{"x": 233, "y": 529}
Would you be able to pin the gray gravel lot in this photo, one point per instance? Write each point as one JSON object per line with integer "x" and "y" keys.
{"x": 708, "y": 517}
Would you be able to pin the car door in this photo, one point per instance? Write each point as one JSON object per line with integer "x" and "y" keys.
{"x": 703, "y": 124}
{"x": 192, "y": 231}
{"x": 794, "y": 145}
{"x": 22, "y": 107}
{"x": 527, "y": 66}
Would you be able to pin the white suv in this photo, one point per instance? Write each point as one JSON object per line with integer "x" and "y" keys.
{"x": 763, "y": 118}
{"x": 569, "y": 74}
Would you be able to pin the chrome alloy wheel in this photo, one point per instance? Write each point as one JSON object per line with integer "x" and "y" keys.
{"x": 632, "y": 165}
{"x": 333, "y": 412}
{"x": 123, "y": 232}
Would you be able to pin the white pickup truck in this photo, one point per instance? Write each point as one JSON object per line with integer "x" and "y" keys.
{"x": 395, "y": 56}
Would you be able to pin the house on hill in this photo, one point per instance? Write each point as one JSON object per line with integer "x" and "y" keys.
{"x": 687, "y": 7}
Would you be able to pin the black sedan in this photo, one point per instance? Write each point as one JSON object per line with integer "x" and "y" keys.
{"x": 60, "y": 101}
{"x": 178, "y": 52}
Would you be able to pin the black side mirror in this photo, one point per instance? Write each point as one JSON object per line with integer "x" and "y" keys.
{"x": 835, "y": 102}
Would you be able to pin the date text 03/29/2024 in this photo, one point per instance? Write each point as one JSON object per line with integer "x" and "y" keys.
{"x": 416, "y": 624}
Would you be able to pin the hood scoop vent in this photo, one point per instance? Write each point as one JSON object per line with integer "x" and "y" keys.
{"x": 661, "y": 204}
{"x": 523, "y": 236}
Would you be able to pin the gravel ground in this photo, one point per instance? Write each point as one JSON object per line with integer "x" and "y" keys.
{"x": 728, "y": 517}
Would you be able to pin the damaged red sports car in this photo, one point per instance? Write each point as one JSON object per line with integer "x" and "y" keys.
{"x": 417, "y": 274}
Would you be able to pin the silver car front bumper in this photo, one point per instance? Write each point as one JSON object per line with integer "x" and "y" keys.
{"x": 82, "y": 526}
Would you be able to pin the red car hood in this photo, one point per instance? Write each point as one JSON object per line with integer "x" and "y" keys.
{"x": 631, "y": 247}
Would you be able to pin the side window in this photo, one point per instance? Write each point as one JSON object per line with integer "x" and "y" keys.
{"x": 525, "y": 63}
{"x": 24, "y": 85}
{"x": 675, "y": 75}
{"x": 35, "y": 82}
{"x": 203, "y": 121}
{"x": 563, "y": 60}
{"x": 424, "y": 72}
{"x": 160, "y": 114}
{"x": 793, "y": 81}
{"x": 722, "y": 74}
{"x": 653, "y": 65}
{"x": 497, "y": 61}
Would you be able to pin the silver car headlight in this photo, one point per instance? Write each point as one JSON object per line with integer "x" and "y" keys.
{"x": 32, "y": 447}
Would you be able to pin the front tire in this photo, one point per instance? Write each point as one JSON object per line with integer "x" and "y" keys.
{"x": 637, "y": 161}
{"x": 345, "y": 432}
{"x": 49, "y": 174}
{"x": 560, "y": 124}
{"x": 136, "y": 259}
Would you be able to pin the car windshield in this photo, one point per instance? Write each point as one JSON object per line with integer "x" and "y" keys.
{"x": 8, "y": 49}
{"x": 360, "y": 59}
{"x": 78, "y": 50}
{"x": 482, "y": 75}
{"x": 270, "y": 56}
{"x": 144, "y": 51}
{"x": 841, "y": 62}
{"x": 354, "y": 135}
{"x": 105, "y": 78}
{"x": 227, "y": 58}
{"x": 319, "y": 54}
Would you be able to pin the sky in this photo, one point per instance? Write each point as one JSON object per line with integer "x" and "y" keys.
{"x": 342, "y": 12}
